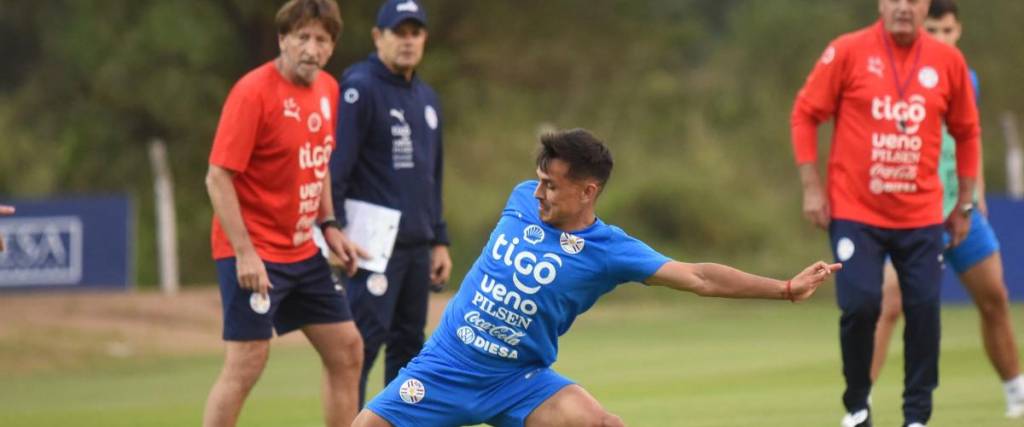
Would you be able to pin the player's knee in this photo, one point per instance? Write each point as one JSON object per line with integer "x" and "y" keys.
{"x": 891, "y": 312}
{"x": 243, "y": 372}
{"x": 994, "y": 304}
{"x": 348, "y": 357}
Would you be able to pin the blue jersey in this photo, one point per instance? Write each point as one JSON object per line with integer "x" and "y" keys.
{"x": 531, "y": 281}
{"x": 388, "y": 149}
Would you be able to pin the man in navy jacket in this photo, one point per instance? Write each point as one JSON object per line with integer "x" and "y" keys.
{"x": 389, "y": 154}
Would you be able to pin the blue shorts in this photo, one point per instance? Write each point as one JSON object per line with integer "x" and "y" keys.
{"x": 436, "y": 390}
{"x": 304, "y": 293}
{"x": 979, "y": 244}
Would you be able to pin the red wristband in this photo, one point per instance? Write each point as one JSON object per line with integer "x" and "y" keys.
{"x": 789, "y": 291}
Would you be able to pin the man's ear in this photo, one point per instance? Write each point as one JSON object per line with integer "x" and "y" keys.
{"x": 590, "y": 191}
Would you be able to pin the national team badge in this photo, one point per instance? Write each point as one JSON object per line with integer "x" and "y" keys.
{"x": 431, "y": 116}
{"x": 260, "y": 303}
{"x": 377, "y": 284}
{"x": 571, "y": 244}
{"x": 928, "y": 77}
{"x": 845, "y": 249}
{"x": 533, "y": 234}
{"x": 412, "y": 391}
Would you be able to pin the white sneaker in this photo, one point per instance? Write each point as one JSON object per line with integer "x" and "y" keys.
{"x": 917, "y": 425}
{"x": 1014, "y": 397}
{"x": 1015, "y": 409}
{"x": 860, "y": 418}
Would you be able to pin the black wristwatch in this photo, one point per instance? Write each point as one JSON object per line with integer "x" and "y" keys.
{"x": 330, "y": 222}
{"x": 967, "y": 209}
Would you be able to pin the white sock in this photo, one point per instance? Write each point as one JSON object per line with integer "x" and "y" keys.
{"x": 1014, "y": 387}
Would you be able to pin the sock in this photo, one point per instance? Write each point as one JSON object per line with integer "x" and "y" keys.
{"x": 1014, "y": 388}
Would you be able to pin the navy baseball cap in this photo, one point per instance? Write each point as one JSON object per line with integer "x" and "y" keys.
{"x": 394, "y": 12}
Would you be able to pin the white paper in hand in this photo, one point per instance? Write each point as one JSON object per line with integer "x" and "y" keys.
{"x": 374, "y": 228}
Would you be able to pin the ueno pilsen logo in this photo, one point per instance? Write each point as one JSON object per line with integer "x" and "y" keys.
{"x": 530, "y": 271}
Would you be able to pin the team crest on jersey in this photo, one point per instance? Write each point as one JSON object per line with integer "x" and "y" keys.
{"x": 431, "y": 116}
{"x": 291, "y": 109}
{"x": 533, "y": 234}
{"x": 571, "y": 244}
{"x": 260, "y": 303}
{"x": 325, "y": 107}
{"x": 928, "y": 77}
{"x": 876, "y": 66}
{"x": 412, "y": 391}
{"x": 314, "y": 122}
{"x": 351, "y": 95}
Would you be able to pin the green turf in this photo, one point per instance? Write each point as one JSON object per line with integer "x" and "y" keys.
{"x": 675, "y": 360}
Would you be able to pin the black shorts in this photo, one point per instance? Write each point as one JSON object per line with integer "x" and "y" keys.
{"x": 304, "y": 293}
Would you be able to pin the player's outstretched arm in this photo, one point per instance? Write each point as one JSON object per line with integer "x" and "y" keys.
{"x": 717, "y": 280}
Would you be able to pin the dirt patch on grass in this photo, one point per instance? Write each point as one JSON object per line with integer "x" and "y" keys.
{"x": 50, "y": 331}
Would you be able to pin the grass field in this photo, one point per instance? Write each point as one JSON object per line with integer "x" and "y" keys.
{"x": 674, "y": 360}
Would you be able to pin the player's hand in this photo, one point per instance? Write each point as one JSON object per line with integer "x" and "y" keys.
{"x": 440, "y": 267}
{"x": 816, "y": 208}
{"x": 803, "y": 285}
{"x": 252, "y": 274}
{"x": 957, "y": 226}
{"x": 347, "y": 251}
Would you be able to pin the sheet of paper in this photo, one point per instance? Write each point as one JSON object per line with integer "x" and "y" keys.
{"x": 374, "y": 228}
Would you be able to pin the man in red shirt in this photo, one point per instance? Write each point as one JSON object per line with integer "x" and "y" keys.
{"x": 890, "y": 87}
{"x": 269, "y": 185}
{"x": 5, "y": 210}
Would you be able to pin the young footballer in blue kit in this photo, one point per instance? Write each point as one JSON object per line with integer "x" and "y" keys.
{"x": 547, "y": 261}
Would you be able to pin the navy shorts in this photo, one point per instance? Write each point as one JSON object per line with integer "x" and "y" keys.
{"x": 979, "y": 244}
{"x": 435, "y": 389}
{"x": 304, "y": 293}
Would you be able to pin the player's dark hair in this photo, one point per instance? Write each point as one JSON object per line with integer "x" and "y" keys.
{"x": 586, "y": 155}
{"x": 940, "y": 8}
{"x": 297, "y": 13}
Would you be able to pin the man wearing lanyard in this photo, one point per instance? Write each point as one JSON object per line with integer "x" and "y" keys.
{"x": 890, "y": 88}
{"x": 389, "y": 154}
{"x": 976, "y": 261}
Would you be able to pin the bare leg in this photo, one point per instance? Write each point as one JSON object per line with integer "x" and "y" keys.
{"x": 367, "y": 418}
{"x": 892, "y": 310}
{"x": 984, "y": 281}
{"x": 572, "y": 406}
{"x": 243, "y": 363}
{"x": 341, "y": 351}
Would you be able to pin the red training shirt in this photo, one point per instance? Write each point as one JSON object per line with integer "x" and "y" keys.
{"x": 277, "y": 137}
{"x": 882, "y": 169}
